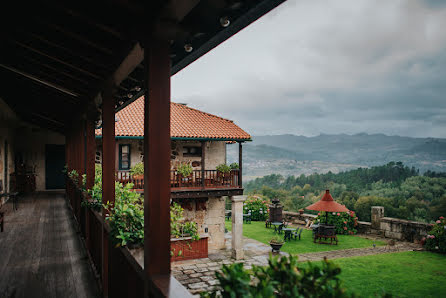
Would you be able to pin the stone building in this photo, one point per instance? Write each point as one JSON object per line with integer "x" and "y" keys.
{"x": 198, "y": 139}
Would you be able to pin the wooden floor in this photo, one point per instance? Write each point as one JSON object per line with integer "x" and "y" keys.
{"x": 40, "y": 253}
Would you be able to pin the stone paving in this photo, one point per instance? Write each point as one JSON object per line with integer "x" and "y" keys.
{"x": 199, "y": 275}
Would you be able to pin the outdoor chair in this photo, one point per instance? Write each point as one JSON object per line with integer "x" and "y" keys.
{"x": 247, "y": 218}
{"x": 298, "y": 233}
{"x": 228, "y": 214}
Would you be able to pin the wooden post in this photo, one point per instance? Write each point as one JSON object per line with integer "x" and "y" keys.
{"x": 203, "y": 163}
{"x": 240, "y": 163}
{"x": 108, "y": 175}
{"x": 90, "y": 149}
{"x": 156, "y": 159}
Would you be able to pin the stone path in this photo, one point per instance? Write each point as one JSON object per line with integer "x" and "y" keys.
{"x": 199, "y": 275}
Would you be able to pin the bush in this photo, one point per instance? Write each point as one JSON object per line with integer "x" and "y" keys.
{"x": 283, "y": 277}
{"x": 137, "y": 169}
{"x": 96, "y": 192}
{"x": 436, "y": 240}
{"x": 185, "y": 169}
{"x": 234, "y": 166}
{"x": 345, "y": 222}
{"x": 258, "y": 208}
{"x": 223, "y": 168}
{"x": 179, "y": 228}
{"x": 126, "y": 216}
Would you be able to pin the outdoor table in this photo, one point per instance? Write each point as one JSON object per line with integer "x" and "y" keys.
{"x": 277, "y": 225}
{"x": 288, "y": 233}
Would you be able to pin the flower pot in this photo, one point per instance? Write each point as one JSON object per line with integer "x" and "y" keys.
{"x": 275, "y": 246}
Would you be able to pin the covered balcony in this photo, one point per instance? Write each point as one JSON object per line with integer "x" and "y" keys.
{"x": 68, "y": 68}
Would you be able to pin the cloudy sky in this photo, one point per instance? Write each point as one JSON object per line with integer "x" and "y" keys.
{"x": 312, "y": 67}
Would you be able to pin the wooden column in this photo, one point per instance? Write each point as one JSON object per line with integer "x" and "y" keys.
{"x": 203, "y": 162}
{"x": 90, "y": 150}
{"x": 240, "y": 164}
{"x": 157, "y": 159}
{"x": 108, "y": 174}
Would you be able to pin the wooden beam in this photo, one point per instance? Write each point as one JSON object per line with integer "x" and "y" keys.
{"x": 46, "y": 83}
{"x": 108, "y": 174}
{"x": 203, "y": 162}
{"x": 157, "y": 159}
{"x": 86, "y": 72}
{"x": 240, "y": 164}
{"x": 133, "y": 59}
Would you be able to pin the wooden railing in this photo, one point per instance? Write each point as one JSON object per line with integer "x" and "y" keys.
{"x": 212, "y": 179}
{"x": 124, "y": 274}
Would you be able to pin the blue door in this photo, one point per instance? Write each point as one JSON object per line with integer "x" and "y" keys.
{"x": 54, "y": 165}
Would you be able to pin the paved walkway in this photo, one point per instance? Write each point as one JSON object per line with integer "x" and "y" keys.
{"x": 40, "y": 253}
{"x": 199, "y": 275}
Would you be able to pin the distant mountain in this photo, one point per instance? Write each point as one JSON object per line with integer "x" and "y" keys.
{"x": 295, "y": 155}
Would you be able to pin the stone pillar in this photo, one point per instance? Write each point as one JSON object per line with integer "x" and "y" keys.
{"x": 377, "y": 214}
{"x": 237, "y": 227}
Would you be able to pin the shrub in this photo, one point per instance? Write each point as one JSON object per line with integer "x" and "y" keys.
{"x": 258, "y": 208}
{"x": 179, "y": 227}
{"x": 96, "y": 192}
{"x": 74, "y": 175}
{"x": 283, "y": 277}
{"x": 345, "y": 222}
{"x": 436, "y": 239}
{"x": 126, "y": 216}
{"x": 223, "y": 168}
{"x": 276, "y": 240}
{"x": 185, "y": 169}
{"x": 137, "y": 169}
{"x": 234, "y": 166}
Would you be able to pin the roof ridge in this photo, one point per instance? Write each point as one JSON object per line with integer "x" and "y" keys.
{"x": 206, "y": 113}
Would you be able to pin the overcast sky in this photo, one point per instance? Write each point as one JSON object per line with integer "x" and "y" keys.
{"x": 311, "y": 67}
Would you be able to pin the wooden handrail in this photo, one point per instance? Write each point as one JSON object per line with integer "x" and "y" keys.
{"x": 211, "y": 179}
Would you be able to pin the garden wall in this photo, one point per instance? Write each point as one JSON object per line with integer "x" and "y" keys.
{"x": 394, "y": 228}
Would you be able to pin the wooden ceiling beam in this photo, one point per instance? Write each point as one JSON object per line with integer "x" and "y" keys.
{"x": 80, "y": 38}
{"x": 57, "y": 60}
{"x": 38, "y": 80}
{"x": 69, "y": 51}
{"x": 57, "y": 70}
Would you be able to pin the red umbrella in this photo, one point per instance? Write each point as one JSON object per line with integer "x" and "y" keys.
{"x": 327, "y": 204}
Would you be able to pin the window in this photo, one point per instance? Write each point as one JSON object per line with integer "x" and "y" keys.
{"x": 192, "y": 151}
{"x": 124, "y": 157}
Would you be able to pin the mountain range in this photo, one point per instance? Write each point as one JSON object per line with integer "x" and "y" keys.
{"x": 296, "y": 155}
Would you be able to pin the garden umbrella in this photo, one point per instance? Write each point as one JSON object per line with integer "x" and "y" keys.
{"x": 327, "y": 204}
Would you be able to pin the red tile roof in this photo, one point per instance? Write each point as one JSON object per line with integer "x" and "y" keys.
{"x": 185, "y": 122}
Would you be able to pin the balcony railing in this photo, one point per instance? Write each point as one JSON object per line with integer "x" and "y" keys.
{"x": 212, "y": 179}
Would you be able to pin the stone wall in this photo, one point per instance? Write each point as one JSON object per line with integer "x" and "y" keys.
{"x": 209, "y": 214}
{"x": 394, "y": 228}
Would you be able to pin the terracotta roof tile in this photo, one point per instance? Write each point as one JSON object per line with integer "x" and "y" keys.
{"x": 185, "y": 122}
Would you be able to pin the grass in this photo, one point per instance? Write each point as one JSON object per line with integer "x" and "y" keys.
{"x": 402, "y": 274}
{"x": 256, "y": 230}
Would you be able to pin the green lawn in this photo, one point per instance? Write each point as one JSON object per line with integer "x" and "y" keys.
{"x": 256, "y": 230}
{"x": 403, "y": 274}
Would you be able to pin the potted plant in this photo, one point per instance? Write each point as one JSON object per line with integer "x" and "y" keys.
{"x": 223, "y": 171}
{"x": 276, "y": 243}
{"x": 234, "y": 166}
{"x": 137, "y": 171}
{"x": 184, "y": 170}
{"x": 301, "y": 211}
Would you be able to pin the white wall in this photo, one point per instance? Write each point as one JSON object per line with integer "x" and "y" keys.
{"x": 30, "y": 142}
{"x": 8, "y": 123}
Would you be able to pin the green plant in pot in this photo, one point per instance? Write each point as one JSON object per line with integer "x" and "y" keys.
{"x": 234, "y": 166}
{"x": 276, "y": 243}
{"x": 185, "y": 170}
{"x": 137, "y": 171}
